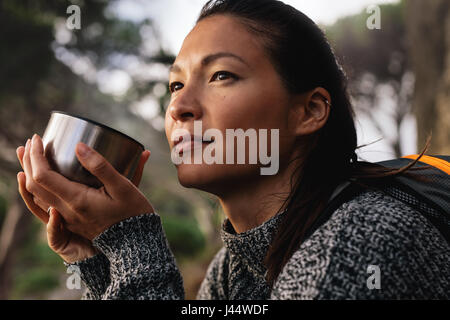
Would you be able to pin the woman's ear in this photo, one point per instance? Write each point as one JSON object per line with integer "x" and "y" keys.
{"x": 311, "y": 111}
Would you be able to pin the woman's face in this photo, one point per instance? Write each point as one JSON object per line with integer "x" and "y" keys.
{"x": 223, "y": 78}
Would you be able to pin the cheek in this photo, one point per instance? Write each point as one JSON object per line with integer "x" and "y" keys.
{"x": 168, "y": 125}
{"x": 248, "y": 109}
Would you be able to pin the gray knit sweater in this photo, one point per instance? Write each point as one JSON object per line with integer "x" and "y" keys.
{"x": 411, "y": 258}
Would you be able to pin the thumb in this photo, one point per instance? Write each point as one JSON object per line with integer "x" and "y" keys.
{"x": 96, "y": 164}
{"x": 140, "y": 168}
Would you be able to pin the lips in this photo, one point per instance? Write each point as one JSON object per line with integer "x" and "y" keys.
{"x": 189, "y": 142}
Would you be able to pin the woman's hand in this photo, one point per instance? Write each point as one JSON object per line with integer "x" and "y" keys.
{"x": 69, "y": 246}
{"x": 86, "y": 211}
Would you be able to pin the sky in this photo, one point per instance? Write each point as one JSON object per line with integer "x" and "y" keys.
{"x": 173, "y": 19}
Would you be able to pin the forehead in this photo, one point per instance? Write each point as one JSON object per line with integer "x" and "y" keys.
{"x": 221, "y": 33}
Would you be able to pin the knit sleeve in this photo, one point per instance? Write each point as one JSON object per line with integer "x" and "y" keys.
{"x": 214, "y": 285}
{"x": 374, "y": 247}
{"x": 141, "y": 263}
{"x": 94, "y": 272}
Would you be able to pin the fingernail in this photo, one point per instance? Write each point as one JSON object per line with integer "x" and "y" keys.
{"x": 33, "y": 139}
{"x": 18, "y": 176}
{"x": 27, "y": 145}
{"x": 35, "y": 144}
{"x": 83, "y": 150}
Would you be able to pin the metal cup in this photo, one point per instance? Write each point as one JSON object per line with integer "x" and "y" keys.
{"x": 64, "y": 131}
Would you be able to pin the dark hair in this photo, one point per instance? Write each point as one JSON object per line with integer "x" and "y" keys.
{"x": 304, "y": 59}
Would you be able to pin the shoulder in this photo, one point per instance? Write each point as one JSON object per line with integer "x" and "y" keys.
{"x": 371, "y": 232}
{"x": 213, "y": 285}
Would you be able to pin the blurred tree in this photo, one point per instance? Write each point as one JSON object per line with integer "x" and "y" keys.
{"x": 428, "y": 26}
{"x": 378, "y": 67}
{"x": 44, "y": 65}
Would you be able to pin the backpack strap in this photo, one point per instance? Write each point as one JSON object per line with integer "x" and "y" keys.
{"x": 434, "y": 191}
{"x": 431, "y": 198}
{"x": 440, "y": 162}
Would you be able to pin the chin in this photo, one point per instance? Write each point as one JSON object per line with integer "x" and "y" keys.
{"x": 215, "y": 179}
{"x": 198, "y": 176}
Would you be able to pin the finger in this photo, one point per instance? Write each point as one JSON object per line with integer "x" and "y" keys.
{"x": 54, "y": 222}
{"x": 28, "y": 199}
{"x": 140, "y": 168}
{"x": 25, "y": 159}
{"x": 115, "y": 183}
{"x": 33, "y": 186}
{"x": 41, "y": 204}
{"x": 20, "y": 152}
{"x": 57, "y": 235}
{"x": 55, "y": 185}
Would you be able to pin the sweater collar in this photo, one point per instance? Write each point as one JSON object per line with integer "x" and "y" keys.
{"x": 252, "y": 245}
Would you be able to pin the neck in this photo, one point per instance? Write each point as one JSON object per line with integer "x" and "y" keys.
{"x": 253, "y": 203}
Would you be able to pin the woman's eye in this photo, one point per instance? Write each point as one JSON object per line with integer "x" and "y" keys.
{"x": 219, "y": 75}
{"x": 223, "y": 75}
{"x": 174, "y": 86}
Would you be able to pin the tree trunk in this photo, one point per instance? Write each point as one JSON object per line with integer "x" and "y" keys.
{"x": 428, "y": 28}
{"x": 11, "y": 237}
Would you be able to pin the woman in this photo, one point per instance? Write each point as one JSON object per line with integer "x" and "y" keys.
{"x": 250, "y": 64}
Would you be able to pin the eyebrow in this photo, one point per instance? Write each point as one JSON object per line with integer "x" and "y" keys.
{"x": 209, "y": 59}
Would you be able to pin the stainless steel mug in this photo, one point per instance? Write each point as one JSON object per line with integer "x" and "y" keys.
{"x": 64, "y": 131}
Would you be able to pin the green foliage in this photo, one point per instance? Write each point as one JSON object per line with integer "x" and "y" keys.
{"x": 38, "y": 268}
{"x": 184, "y": 236}
{"x": 363, "y": 50}
{"x": 40, "y": 254}
{"x": 167, "y": 203}
{"x": 34, "y": 282}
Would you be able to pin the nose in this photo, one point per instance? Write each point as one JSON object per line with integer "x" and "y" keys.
{"x": 185, "y": 107}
